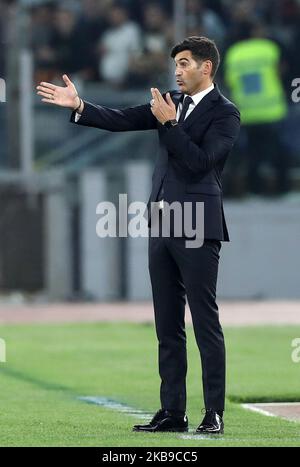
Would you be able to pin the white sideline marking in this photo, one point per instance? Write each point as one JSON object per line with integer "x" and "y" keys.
{"x": 258, "y": 410}
{"x": 257, "y": 407}
{"x": 204, "y": 437}
{"x": 2, "y": 351}
{"x": 279, "y": 404}
{"x": 137, "y": 413}
{"x": 115, "y": 405}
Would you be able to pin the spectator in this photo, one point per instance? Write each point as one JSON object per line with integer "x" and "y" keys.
{"x": 118, "y": 46}
{"x": 239, "y": 16}
{"x": 42, "y": 30}
{"x": 66, "y": 41}
{"x": 204, "y": 21}
{"x": 152, "y": 67}
{"x": 252, "y": 75}
{"x": 91, "y": 26}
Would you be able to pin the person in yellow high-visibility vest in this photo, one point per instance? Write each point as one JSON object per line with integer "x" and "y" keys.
{"x": 251, "y": 72}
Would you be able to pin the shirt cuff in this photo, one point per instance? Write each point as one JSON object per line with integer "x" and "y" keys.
{"x": 77, "y": 117}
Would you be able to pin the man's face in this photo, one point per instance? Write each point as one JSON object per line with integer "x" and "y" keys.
{"x": 191, "y": 76}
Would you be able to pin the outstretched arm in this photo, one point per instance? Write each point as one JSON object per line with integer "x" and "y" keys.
{"x": 128, "y": 119}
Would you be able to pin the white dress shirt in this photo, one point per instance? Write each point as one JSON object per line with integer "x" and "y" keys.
{"x": 196, "y": 99}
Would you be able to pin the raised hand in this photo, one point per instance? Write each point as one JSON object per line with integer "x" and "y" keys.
{"x": 66, "y": 96}
{"x": 162, "y": 109}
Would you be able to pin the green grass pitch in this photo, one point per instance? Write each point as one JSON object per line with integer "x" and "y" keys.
{"x": 49, "y": 366}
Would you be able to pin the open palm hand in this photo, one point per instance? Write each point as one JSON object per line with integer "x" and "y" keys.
{"x": 64, "y": 96}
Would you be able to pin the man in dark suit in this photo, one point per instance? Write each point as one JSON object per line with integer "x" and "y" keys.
{"x": 197, "y": 128}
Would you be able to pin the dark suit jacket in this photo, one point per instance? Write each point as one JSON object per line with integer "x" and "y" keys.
{"x": 192, "y": 155}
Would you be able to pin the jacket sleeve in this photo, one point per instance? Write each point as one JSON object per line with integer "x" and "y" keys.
{"x": 129, "y": 119}
{"x": 217, "y": 142}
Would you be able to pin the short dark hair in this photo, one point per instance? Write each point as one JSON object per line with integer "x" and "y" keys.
{"x": 202, "y": 48}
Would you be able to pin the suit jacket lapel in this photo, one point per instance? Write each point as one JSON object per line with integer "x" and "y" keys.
{"x": 204, "y": 105}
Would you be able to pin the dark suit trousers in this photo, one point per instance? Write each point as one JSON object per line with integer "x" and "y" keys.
{"x": 178, "y": 272}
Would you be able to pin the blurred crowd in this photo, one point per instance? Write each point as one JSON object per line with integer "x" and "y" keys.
{"x": 127, "y": 42}
{"x": 120, "y": 42}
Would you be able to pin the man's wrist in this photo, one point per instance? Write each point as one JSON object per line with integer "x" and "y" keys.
{"x": 170, "y": 123}
{"x": 80, "y": 110}
{"x": 79, "y": 104}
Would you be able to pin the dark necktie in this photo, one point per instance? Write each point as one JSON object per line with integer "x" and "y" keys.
{"x": 186, "y": 103}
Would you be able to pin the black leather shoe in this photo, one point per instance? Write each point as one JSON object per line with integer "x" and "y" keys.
{"x": 164, "y": 420}
{"x": 212, "y": 424}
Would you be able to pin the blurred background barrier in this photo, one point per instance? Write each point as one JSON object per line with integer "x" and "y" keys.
{"x": 53, "y": 174}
